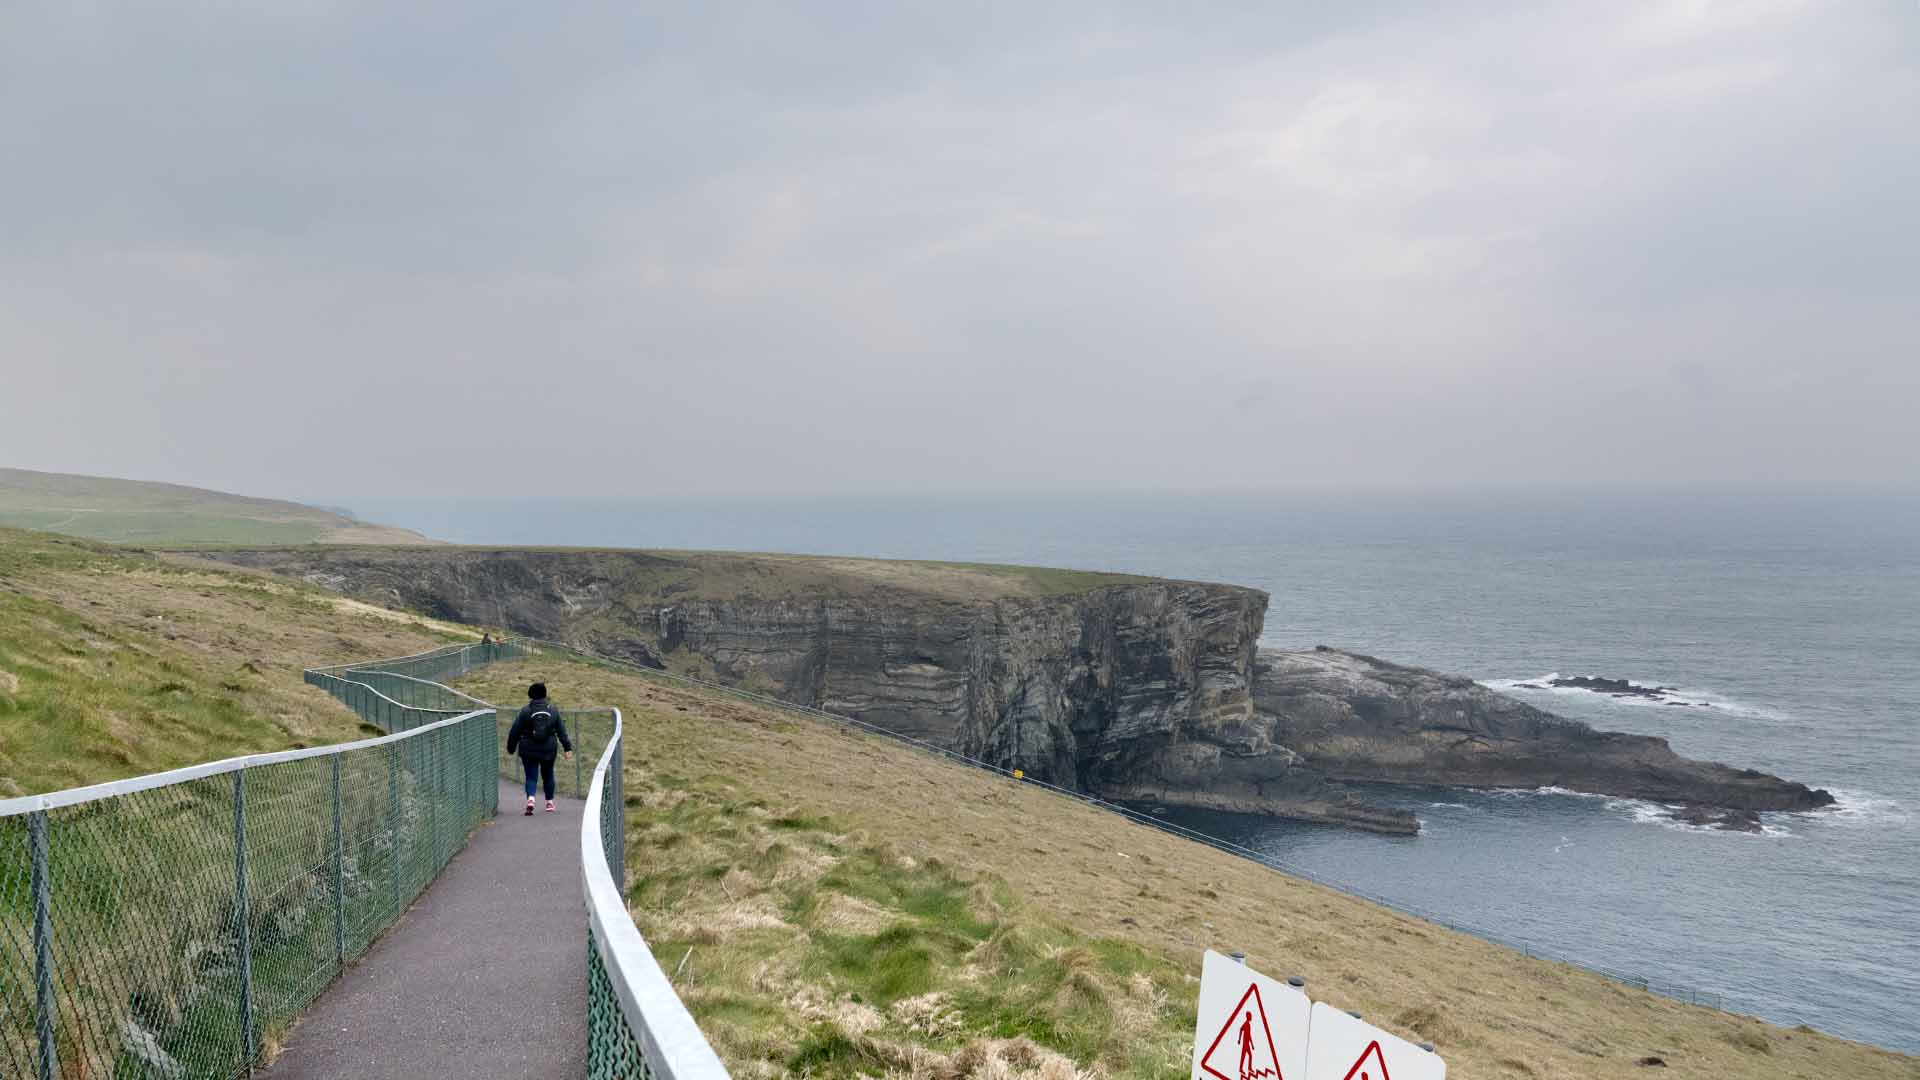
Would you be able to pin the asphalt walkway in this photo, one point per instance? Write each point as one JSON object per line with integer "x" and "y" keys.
{"x": 483, "y": 978}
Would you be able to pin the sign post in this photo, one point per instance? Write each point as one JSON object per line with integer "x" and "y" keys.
{"x": 1345, "y": 1048}
{"x": 1249, "y": 1027}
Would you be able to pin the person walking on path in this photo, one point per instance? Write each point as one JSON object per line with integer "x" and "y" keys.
{"x": 535, "y": 733}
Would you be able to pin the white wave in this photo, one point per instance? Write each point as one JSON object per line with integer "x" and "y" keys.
{"x": 1516, "y": 792}
{"x": 1864, "y": 807}
{"x": 1648, "y": 812}
{"x": 1665, "y": 697}
{"x": 1652, "y": 813}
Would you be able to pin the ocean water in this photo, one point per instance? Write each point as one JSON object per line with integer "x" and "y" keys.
{"x": 1795, "y": 619}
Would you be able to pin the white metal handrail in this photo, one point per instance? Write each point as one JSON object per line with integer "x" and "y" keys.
{"x": 657, "y": 1024}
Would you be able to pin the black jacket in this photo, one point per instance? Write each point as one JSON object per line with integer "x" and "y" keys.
{"x": 520, "y": 737}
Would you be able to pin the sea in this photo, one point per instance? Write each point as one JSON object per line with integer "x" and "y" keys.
{"x": 1786, "y": 627}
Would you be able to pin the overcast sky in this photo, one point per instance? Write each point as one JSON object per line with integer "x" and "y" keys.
{"x": 344, "y": 249}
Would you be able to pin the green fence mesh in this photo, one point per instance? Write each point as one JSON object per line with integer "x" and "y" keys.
{"x": 169, "y": 925}
{"x": 612, "y": 1051}
{"x": 172, "y": 925}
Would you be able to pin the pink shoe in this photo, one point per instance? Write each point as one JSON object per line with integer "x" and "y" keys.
{"x": 529, "y": 806}
{"x": 550, "y": 806}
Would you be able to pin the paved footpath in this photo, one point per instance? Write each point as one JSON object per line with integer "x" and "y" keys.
{"x": 484, "y": 978}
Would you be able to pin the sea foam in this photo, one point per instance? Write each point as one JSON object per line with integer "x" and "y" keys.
{"x": 1866, "y": 808}
{"x": 1666, "y": 697}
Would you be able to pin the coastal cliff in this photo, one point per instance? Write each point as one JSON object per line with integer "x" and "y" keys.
{"x": 1132, "y": 688}
{"x": 1126, "y": 687}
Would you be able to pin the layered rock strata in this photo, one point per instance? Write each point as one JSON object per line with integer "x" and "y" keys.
{"x": 1364, "y": 719}
{"x": 1129, "y": 688}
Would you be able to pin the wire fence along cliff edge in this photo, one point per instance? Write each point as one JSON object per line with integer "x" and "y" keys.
{"x": 637, "y": 1026}
{"x": 172, "y": 925}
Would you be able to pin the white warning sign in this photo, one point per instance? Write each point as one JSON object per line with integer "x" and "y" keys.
{"x": 1250, "y": 1027}
{"x": 1347, "y": 1049}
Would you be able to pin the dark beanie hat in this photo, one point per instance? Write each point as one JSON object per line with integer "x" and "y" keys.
{"x": 537, "y": 691}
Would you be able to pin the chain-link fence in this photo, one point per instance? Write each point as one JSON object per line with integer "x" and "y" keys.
{"x": 636, "y": 1025}
{"x": 171, "y": 925}
{"x": 400, "y": 693}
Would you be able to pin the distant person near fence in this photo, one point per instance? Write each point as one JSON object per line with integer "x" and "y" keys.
{"x": 537, "y": 735}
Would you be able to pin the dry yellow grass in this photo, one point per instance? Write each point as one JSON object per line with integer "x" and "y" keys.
{"x": 711, "y": 780}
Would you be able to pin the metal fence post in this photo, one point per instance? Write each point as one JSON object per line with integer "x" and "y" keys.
{"x": 339, "y": 873}
{"x": 44, "y": 1004}
{"x": 393, "y": 816}
{"x": 432, "y": 776}
{"x": 243, "y": 917}
{"x": 481, "y": 757}
{"x": 469, "y": 796}
{"x": 620, "y": 808}
{"x": 478, "y": 763}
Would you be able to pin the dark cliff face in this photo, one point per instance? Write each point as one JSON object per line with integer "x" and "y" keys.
{"x": 1059, "y": 686}
{"x": 1127, "y": 687}
{"x": 1132, "y": 688}
{"x": 1360, "y": 718}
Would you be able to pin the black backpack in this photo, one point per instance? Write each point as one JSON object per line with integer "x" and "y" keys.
{"x": 539, "y": 727}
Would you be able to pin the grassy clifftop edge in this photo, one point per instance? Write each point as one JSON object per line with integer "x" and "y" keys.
{"x": 710, "y": 575}
{"x": 141, "y": 512}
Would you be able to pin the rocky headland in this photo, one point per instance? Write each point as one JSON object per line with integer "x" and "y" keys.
{"x": 1356, "y": 717}
{"x": 1130, "y": 688}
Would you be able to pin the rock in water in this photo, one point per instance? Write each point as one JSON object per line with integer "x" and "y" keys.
{"x": 1716, "y": 817}
{"x": 1611, "y": 687}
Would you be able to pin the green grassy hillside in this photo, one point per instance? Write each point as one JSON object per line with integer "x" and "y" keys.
{"x": 166, "y": 515}
{"x": 114, "y": 664}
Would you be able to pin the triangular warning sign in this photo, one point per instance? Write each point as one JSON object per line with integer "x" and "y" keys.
{"x": 1362, "y": 1071}
{"x": 1244, "y": 1048}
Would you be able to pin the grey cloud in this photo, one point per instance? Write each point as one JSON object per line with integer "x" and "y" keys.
{"x": 886, "y": 247}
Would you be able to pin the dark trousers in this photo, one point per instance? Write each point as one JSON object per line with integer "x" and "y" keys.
{"x": 541, "y": 771}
